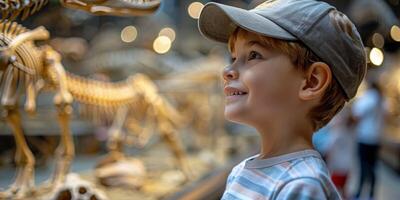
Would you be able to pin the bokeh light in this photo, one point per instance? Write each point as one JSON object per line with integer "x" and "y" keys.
{"x": 376, "y": 56}
{"x": 378, "y": 40}
{"x": 169, "y": 32}
{"x": 395, "y": 33}
{"x": 194, "y": 9}
{"x": 128, "y": 34}
{"x": 162, "y": 44}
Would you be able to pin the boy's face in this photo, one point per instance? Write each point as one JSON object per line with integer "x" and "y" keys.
{"x": 261, "y": 84}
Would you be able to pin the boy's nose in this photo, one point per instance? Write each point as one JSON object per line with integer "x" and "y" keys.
{"x": 230, "y": 73}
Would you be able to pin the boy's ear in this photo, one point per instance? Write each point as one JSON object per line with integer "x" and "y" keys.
{"x": 317, "y": 79}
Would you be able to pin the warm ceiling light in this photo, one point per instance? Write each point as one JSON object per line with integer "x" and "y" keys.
{"x": 395, "y": 33}
{"x": 128, "y": 34}
{"x": 162, "y": 44}
{"x": 169, "y": 32}
{"x": 194, "y": 9}
{"x": 376, "y": 56}
{"x": 378, "y": 40}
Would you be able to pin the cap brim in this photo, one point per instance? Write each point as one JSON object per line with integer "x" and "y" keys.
{"x": 218, "y": 21}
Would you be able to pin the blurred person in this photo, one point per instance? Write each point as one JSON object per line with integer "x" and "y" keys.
{"x": 340, "y": 148}
{"x": 368, "y": 110}
{"x": 321, "y": 140}
{"x": 294, "y": 64}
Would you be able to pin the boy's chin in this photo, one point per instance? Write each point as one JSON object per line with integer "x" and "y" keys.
{"x": 234, "y": 117}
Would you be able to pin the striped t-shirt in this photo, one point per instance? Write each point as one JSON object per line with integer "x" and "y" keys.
{"x": 300, "y": 175}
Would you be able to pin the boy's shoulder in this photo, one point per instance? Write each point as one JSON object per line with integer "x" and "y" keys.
{"x": 304, "y": 169}
{"x": 287, "y": 174}
{"x": 302, "y": 164}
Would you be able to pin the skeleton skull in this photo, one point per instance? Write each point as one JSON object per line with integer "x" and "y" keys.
{"x": 76, "y": 188}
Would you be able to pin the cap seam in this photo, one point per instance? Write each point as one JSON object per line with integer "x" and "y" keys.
{"x": 277, "y": 25}
{"x": 320, "y": 17}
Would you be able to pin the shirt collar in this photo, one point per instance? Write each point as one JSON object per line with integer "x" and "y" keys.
{"x": 254, "y": 162}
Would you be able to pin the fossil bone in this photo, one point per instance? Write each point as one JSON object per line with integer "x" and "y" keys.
{"x": 11, "y": 9}
{"x": 23, "y": 62}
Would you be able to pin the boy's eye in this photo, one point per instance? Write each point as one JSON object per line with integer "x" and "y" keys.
{"x": 232, "y": 60}
{"x": 254, "y": 55}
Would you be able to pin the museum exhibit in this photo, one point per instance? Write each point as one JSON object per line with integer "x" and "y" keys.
{"x": 124, "y": 99}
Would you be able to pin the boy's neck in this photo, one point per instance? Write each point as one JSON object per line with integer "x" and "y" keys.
{"x": 284, "y": 138}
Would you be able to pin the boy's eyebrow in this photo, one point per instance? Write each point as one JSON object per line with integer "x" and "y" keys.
{"x": 253, "y": 42}
{"x": 257, "y": 42}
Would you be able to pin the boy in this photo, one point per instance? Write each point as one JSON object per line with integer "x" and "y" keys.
{"x": 294, "y": 64}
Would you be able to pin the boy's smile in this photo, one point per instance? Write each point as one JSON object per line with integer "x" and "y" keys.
{"x": 233, "y": 94}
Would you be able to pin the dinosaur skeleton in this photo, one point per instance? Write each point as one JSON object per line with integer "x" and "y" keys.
{"x": 27, "y": 67}
{"x": 114, "y": 7}
{"x": 11, "y": 9}
{"x": 195, "y": 89}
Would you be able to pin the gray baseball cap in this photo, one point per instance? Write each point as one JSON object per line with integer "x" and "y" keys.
{"x": 307, "y": 21}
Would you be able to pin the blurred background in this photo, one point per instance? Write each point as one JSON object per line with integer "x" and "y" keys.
{"x": 168, "y": 48}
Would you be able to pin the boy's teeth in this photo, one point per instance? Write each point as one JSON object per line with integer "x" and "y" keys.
{"x": 237, "y": 93}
